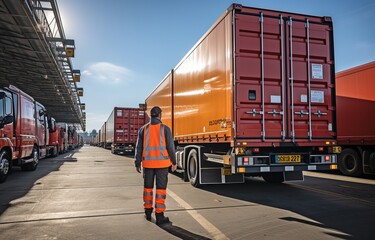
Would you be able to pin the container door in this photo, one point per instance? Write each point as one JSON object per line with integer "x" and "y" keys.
{"x": 310, "y": 85}
{"x": 283, "y": 79}
{"x": 120, "y": 126}
{"x": 260, "y": 80}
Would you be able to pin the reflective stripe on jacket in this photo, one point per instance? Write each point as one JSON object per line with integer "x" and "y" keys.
{"x": 155, "y": 154}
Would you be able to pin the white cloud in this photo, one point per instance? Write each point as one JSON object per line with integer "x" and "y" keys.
{"x": 106, "y": 72}
{"x": 363, "y": 45}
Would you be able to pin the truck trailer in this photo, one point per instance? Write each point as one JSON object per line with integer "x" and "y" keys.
{"x": 122, "y": 129}
{"x": 355, "y": 119}
{"x": 23, "y": 131}
{"x": 255, "y": 96}
{"x": 102, "y": 133}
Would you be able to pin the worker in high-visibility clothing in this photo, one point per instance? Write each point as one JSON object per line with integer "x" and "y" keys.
{"x": 155, "y": 152}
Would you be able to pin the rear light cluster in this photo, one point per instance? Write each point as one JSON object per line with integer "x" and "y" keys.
{"x": 323, "y": 159}
{"x": 251, "y": 160}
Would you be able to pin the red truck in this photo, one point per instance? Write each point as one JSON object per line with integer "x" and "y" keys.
{"x": 72, "y": 137}
{"x": 62, "y": 128}
{"x": 355, "y": 99}
{"x": 54, "y": 138}
{"x": 255, "y": 96}
{"x": 24, "y": 132}
{"x": 122, "y": 129}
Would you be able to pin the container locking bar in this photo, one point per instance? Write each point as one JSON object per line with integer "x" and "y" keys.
{"x": 308, "y": 75}
{"x": 262, "y": 55}
{"x": 282, "y": 75}
{"x": 291, "y": 76}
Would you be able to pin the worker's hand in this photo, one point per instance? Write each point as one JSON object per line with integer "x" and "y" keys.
{"x": 139, "y": 169}
{"x": 174, "y": 167}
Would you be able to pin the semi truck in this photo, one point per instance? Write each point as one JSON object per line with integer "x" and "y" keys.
{"x": 62, "y": 128}
{"x": 103, "y": 137}
{"x": 255, "y": 96}
{"x": 122, "y": 129}
{"x": 54, "y": 138}
{"x": 72, "y": 137}
{"x": 355, "y": 119}
{"x": 24, "y": 131}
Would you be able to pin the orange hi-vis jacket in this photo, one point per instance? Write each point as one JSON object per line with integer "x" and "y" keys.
{"x": 155, "y": 154}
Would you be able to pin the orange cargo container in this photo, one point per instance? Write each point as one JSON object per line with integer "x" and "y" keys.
{"x": 254, "y": 96}
{"x": 355, "y": 119}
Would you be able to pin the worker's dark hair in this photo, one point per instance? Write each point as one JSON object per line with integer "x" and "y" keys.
{"x": 155, "y": 111}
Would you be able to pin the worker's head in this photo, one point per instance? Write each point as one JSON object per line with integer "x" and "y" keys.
{"x": 155, "y": 112}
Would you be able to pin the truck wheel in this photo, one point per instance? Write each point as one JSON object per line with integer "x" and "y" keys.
{"x": 55, "y": 151}
{"x": 349, "y": 163}
{"x": 192, "y": 168}
{"x": 5, "y": 166}
{"x": 31, "y": 166}
{"x": 273, "y": 177}
{"x": 372, "y": 162}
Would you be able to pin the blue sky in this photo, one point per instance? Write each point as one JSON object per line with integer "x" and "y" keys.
{"x": 124, "y": 47}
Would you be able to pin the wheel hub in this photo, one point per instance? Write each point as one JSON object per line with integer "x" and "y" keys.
{"x": 4, "y": 166}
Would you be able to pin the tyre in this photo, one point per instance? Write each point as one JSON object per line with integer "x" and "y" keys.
{"x": 55, "y": 151}
{"x": 350, "y": 163}
{"x": 274, "y": 177}
{"x": 5, "y": 162}
{"x": 192, "y": 168}
{"x": 31, "y": 166}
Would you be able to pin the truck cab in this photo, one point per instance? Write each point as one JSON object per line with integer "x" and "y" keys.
{"x": 42, "y": 129}
{"x": 6, "y": 146}
{"x": 54, "y": 138}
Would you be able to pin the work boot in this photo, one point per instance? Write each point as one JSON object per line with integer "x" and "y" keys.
{"x": 148, "y": 212}
{"x": 161, "y": 219}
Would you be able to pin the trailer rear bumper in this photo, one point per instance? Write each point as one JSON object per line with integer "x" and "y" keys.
{"x": 262, "y": 164}
{"x": 285, "y": 168}
{"x": 122, "y": 149}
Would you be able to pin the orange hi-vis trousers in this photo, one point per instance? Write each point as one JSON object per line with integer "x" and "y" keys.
{"x": 161, "y": 176}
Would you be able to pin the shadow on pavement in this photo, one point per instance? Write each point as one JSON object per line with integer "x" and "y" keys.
{"x": 19, "y": 182}
{"x": 327, "y": 208}
{"x": 181, "y": 233}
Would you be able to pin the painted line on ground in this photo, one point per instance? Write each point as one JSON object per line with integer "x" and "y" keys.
{"x": 210, "y": 228}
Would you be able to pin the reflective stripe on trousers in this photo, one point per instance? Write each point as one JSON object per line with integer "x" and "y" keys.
{"x": 147, "y": 197}
{"x": 160, "y": 196}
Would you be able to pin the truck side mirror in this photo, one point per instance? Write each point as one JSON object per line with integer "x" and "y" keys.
{"x": 6, "y": 120}
{"x": 41, "y": 112}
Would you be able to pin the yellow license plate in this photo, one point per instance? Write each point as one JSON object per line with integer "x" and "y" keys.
{"x": 288, "y": 158}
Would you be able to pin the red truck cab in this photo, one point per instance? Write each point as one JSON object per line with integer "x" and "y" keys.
{"x": 6, "y": 146}
{"x": 24, "y": 129}
{"x": 54, "y": 138}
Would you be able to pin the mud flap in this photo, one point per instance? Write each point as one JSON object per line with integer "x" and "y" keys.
{"x": 293, "y": 176}
{"x": 213, "y": 175}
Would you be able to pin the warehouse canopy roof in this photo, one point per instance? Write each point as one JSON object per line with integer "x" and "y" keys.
{"x": 35, "y": 57}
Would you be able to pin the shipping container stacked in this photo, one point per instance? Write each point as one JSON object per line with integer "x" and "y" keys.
{"x": 255, "y": 94}
{"x": 355, "y": 119}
